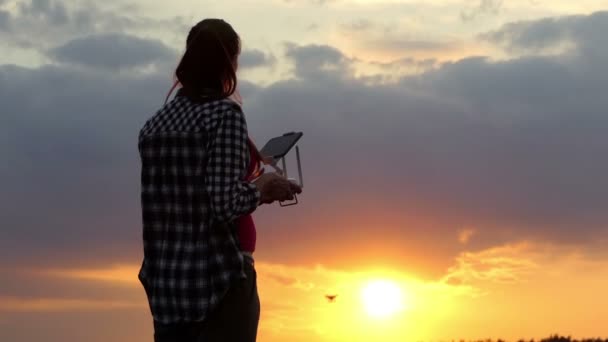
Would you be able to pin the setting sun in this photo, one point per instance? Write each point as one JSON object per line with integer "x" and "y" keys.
{"x": 382, "y": 298}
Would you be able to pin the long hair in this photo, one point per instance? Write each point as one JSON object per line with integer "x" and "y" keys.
{"x": 208, "y": 67}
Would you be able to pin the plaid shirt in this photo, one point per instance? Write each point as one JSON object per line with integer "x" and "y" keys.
{"x": 194, "y": 157}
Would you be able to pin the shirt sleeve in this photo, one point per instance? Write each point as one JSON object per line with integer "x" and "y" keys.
{"x": 229, "y": 194}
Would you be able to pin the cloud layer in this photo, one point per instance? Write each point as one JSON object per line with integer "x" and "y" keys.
{"x": 510, "y": 149}
{"x": 255, "y": 58}
{"x": 582, "y": 33}
{"x": 112, "y": 51}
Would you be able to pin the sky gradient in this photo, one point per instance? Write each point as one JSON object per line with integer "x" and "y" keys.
{"x": 455, "y": 148}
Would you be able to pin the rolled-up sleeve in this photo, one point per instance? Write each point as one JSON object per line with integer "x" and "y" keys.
{"x": 230, "y": 195}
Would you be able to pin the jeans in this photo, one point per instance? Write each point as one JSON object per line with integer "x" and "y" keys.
{"x": 235, "y": 319}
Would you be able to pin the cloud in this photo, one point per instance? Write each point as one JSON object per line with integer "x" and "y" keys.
{"x": 396, "y": 66}
{"x": 18, "y": 305}
{"x": 510, "y": 148}
{"x": 5, "y": 20}
{"x": 485, "y": 7}
{"x": 476, "y": 138}
{"x": 51, "y": 12}
{"x": 532, "y": 276}
{"x": 504, "y": 264}
{"x": 84, "y": 121}
{"x": 45, "y": 24}
{"x": 318, "y": 61}
{"x": 118, "y": 274}
{"x": 112, "y": 51}
{"x": 581, "y": 33}
{"x": 255, "y": 58}
{"x": 465, "y": 235}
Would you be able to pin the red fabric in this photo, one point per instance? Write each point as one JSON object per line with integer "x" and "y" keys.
{"x": 247, "y": 233}
{"x": 246, "y": 226}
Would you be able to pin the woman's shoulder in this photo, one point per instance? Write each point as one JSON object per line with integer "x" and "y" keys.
{"x": 220, "y": 109}
{"x": 208, "y": 104}
{"x": 211, "y": 113}
{"x": 229, "y": 105}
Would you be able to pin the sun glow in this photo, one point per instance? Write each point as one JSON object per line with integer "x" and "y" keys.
{"x": 382, "y": 298}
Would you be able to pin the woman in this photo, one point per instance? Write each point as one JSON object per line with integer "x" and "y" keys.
{"x": 201, "y": 179}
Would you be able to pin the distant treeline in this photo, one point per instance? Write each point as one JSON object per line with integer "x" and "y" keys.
{"x": 554, "y": 338}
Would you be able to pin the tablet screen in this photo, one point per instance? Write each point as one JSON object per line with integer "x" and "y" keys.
{"x": 278, "y": 147}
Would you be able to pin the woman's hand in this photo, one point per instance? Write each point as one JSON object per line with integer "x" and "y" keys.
{"x": 274, "y": 187}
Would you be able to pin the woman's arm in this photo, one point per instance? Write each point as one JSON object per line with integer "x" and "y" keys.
{"x": 230, "y": 196}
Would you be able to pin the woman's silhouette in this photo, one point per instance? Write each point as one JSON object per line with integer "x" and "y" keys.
{"x": 201, "y": 178}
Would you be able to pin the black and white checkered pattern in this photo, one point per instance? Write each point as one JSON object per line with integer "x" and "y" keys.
{"x": 194, "y": 158}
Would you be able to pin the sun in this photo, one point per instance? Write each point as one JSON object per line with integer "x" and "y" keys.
{"x": 382, "y": 298}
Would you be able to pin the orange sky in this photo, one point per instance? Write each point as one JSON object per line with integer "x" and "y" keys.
{"x": 511, "y": 291}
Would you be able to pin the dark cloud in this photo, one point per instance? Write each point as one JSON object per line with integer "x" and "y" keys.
{"x": 116, "y": 325}
{"x": 26, "y": 284}
{"x": 51, "y": 12}
{"x": 69, "y": 175}
{"x": 512, "y": 149}
{"x": 44, "y": 24}
{"x": 255, "y": 58}
{"x": 5, "y": 20}
{"x": 112, "y": 51}
{"x": 314, "y": 61}
{"x": 248, "y": 89}
{"x": 584, "y": 32}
